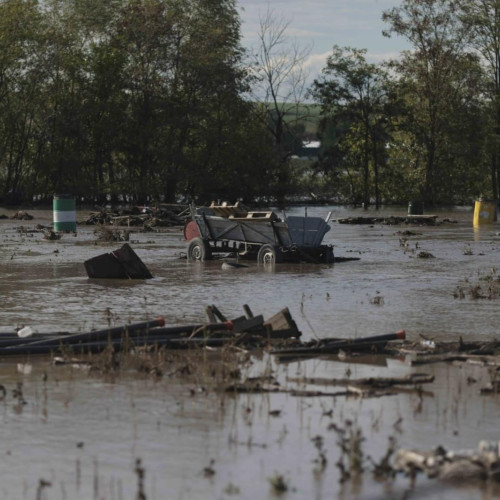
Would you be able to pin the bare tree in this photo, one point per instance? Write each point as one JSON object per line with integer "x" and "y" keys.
{"x": 279, "y": 89}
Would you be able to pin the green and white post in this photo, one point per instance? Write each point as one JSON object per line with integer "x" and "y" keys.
{"x": 64, "y": 213}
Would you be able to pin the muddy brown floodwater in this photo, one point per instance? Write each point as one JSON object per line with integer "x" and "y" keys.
{"x": 72, "y": 433}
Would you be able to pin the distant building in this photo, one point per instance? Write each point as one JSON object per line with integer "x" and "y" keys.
{"x": 309, "y": 150}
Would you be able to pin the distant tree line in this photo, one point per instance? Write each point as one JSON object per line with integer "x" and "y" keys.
{"x": 136, "y": 100}
{"x": 425, "y": 126}
{"x": 156, "y": 100}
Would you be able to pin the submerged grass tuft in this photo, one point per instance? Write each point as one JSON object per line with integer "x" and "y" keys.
{"x": 350, "y": 439}
{"x": 278, "y": 484}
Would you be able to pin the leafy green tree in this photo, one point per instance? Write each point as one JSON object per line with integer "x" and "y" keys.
{"x": 20, "y": 73}
{"x": 354, "y": 95}
{"x": 482, "y": 19}
{"x": 138, "y": 100}
{"x": 439, "y": 81}
{"x": 183, "y": 78}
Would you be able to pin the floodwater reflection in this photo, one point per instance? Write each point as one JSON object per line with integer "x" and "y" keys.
{"x": 77, "y": 431}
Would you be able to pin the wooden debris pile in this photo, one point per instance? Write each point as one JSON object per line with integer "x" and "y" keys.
{"x": 48, "y": 232}
{"x": 393, "y": 220}
{"x": 415, "y": 353}
{"x": 22, "y": 215}
{"x": 482, "y": 464}
{"x": 254, "y": 331}
{"x": 164, "y": 215}
{"x": 372, "y": 387}
{"x": 109, "y": 234}
{"x": 247, "y": 331}
{"x": 425, "y": 351}
{"x": 327, "y": 346}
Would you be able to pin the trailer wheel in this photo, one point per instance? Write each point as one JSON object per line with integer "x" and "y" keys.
{"x": 269, "y": 254}
{"x": 199, "y": 249}
{"x": 329, "y": 255}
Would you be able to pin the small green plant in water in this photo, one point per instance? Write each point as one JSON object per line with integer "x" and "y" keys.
{"x": 321, "y": 461}
{"x": 232, "y": 489}
{"x": 383, "y": 469}
{"x": 278, "y": 484}
{"x": 350, "y": 439}
{"x": 42, "y": 484}
{"x": 140, "y": 472}
{"x": 468, "y": 250}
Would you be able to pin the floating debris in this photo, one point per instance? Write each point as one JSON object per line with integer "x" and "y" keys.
{"x": 22, "y": 215}
{"x": 51, "y": 235}
{"x": 425, "y": 255}
{"x": 106, "y": 233}
{"x": 334, "y": 346}
{"x": 149, "y": 218}
{"x": 229, "y": 265}
{"x": 463, "y": 466}
{"x": 429, "y": 220}
{"x": 123, "y": 263}
{"x": 242, "y": 332}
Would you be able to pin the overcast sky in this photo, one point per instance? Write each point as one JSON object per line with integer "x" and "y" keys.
{"x": 324, "y": 23}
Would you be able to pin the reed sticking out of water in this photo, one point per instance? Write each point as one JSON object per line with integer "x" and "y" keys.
{"x": 278, "y": 484}
{"x": 487, "y": 287}
{"x": 350, "y": 439}
{"x": 321, "y": 462}
{"x": 383, "y": 469}
{"x": 42, "y": 484}
{"x": 140, "y": 472}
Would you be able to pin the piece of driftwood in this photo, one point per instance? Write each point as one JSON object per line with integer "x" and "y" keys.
{"x": 250, "y": 388}
{"x": 391, "y": 220}
{"x": 370, "y": 382}
{"x": 350, "y": 391}
{"x": 453, "y": 357}
{"x": 302, "y": 393}
{"x": 332, "y": 346}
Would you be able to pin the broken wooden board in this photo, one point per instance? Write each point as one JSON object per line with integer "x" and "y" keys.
{"x": 282, "y": 325}
{"x": 279, "y": 326}
{"x": 244, "y": 324}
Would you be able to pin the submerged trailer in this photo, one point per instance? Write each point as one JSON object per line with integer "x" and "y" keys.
{"x": 257, "y": 235}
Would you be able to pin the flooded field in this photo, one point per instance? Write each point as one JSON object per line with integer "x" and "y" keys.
{"x": 167, "y": 428}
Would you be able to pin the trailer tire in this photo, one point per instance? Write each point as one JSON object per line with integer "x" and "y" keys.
{"x": 329, "y": 255}
{"x": 269, "y": 254}
{"x": 199, "y": 249}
